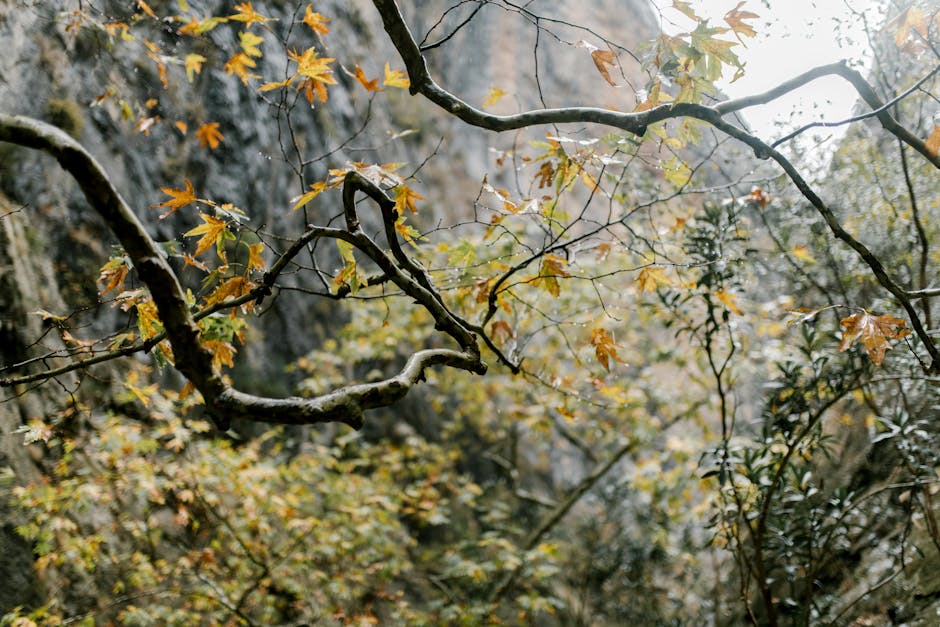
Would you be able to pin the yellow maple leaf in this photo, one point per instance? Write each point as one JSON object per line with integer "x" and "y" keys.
{"x": 178, "y": 198}
{"x": 405, "y": 198}
{"x": 729, "y": 300}
{"x": 802, "y": 253}
{"x": 276, "y": 85}
{"x": 209, "y": 135}
{"x": 651, "y": 278}
{"x": 315, "y": 190}
{"x": 195, "y": 28}
{"x": 211, "y": 229}
{"x": 148, "y": 321}
{"x": 247, "y": 14}
{"x": 249, "y": 43}
{"x": 315, "y": 21}
{"x": 873, "y": 331}
{"x": 239, "y": 65}
{"x": 395, "y": 78}
{"x": 255, "y": 260}
{"x": 493, "y": 96}
{"x": 313, "y": 66}
{"x": 552, "y": 267}
{"x": 193, "y": 64}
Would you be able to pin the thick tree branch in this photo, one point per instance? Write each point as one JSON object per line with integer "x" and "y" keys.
{"x": 422, "y": 83}
{"x": 190, "y": 357}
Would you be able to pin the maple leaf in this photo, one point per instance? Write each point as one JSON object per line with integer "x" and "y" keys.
{"x": 313, "y": 66}
{"x": 729, "y": 300}
{"x": 113, "y": 275}
{"x": 178, "y": 198}
{"x": 758, "y": 196}
{"x": 493, "y": 96}
{"x": 405, "y": 198}
{"x": 395, "y": 78}
{"x": 223, "y": 353}
{"x": 933, "y": 142}
{"x": 212, "y": 230}
{"x": 248, "y": 15}
{"x": 249, "y": 43}
{"x": 360, "y": 76}
{"x": 501, "y": 331}
{"x": 605, "y": 349}
{"x": 232, "y": 288}
{"x": 146, "y": 9}
{"x": 651, "y": 278}
{"x": 315, "y": 190}
{"x": 686, "y": 9}
{"x": 196, "y": 27}
{"x": 181, "y": 126}
{"x": 315, "y": 21}
{"x": 255, "y": 260}
{"x": 913, "y": 19}
{"x": 407, "y": 232}
{"x": 193, "y": 64}
{"x": 209, "y": 135}
{"x": 604, "y": 60}
{"x": 552, "y": 267}
{"x": 735, "y": 19}
{"x": 239, "y": 65}
{"x": 144, "y": 124}
{"x": 801, "y": 253}
{"x": 873, "y": 331}
{"x": 148, "y": 322}
{"x": 276, "y": 85}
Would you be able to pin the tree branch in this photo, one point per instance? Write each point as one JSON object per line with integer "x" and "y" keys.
{"x": 190, "y": 357}
{"x": 422, "y": 83}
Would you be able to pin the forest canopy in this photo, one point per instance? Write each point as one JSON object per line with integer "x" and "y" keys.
{"x": 463, "y": 313}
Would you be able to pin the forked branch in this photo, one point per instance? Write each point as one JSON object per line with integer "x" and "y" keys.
{"x": 190, "y": 357}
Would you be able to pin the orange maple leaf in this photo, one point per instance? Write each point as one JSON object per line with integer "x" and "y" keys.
{"x": 605, "y": 349}
{"x": 735, "y": 19}
{"x": 360, "y": 76}
{"x": 873, "y": 331}
{"x": 729, "y": 300}
{"x": 604, "y": 60}
{"x": 405, "y": 198}
{"x": 315, "y": 21}
{"x": 933, "y": 142}
{"x": 209, "y": 135}
{"x": 178, "y": 198}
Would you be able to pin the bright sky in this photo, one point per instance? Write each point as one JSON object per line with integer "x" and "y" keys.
{"x": 793, "y": 36}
